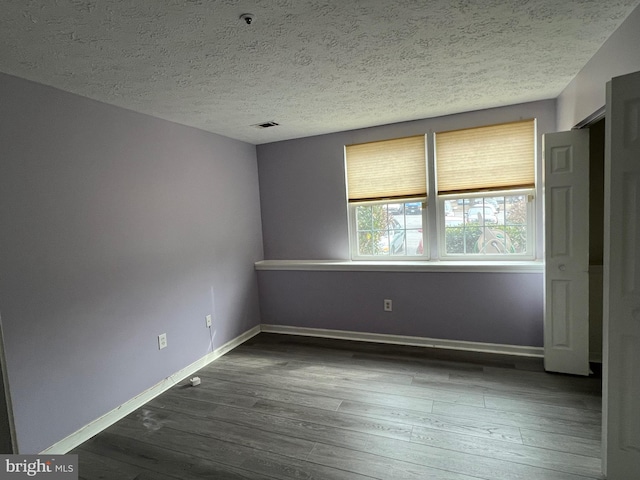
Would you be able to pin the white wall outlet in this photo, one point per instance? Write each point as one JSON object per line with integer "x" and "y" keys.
{"x": 388, "y": 305}
{"x": 162, "y": 341}
{"x": 208, "y": 320}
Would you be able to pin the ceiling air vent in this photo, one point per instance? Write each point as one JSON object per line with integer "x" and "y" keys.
{"x": 266, "y": 125}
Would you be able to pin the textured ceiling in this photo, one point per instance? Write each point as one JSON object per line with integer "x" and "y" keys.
{"x": 312, "y": 66}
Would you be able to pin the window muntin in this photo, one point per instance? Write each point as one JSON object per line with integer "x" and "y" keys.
{"x": 386, "y": 230}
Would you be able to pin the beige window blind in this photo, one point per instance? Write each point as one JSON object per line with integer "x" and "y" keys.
{"x": 389, "y": 169}
{"x": 495, "y": 157}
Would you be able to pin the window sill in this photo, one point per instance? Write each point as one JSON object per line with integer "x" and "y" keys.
{"x": 400, "y": 266}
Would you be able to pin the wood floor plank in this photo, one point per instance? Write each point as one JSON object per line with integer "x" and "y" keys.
{"x": 467, "y": 426}
{"x": 509, "y": 452}
{"x": 222, "y": 396}
{"x": 157, "y": 461}
{"x": 511, "y": 390}
{"x": 520, "y": 420}
{"x": 562, "y": 443}
{"x": 95, "y": 466}
{"x": 370, "y": 362}
{"x": 566, "y": 383}
{"x": 415, "y": 363}
{"x": 342, "y": 376}
{"x": 371, "y": 426}
{"x": 262, "y": 392}
{"x": 415, "y": 459}
{"x": 290, "y": 427}
{"x": 412, "y": 391}
{"x": 591, "y": 394}
{"x": 319, "y": 392}
{"x": 345, "y": 372}
{"x": 208, "y": 427}
{"x": 254, "y": 362}
{"x": 401, "y": 415}
{"x": 379, "y": 467}
{"x": 545, "y": 410}
{"x": 258, "y": 462}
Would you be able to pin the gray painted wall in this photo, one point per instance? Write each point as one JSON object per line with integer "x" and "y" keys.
{"x": 116, "y": 227}
{"x": 304, "y": 216}
{"x": 587, "y": 91}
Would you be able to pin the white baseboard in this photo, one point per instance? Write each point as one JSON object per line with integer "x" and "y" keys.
{"x": 109, "y": 418}
{"x": 407, "y": 340}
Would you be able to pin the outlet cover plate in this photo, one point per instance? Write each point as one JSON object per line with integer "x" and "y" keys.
{"x": 208, "y": 320}
{"x": 162, "y": 341}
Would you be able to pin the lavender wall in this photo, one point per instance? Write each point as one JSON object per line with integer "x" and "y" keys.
{"x": 501, "y": 308}
{"x": 302, "y": 182}
{"x": 116, "y": 227}
{"x": 587, "y": 91}
{"x": 304, "y": 215}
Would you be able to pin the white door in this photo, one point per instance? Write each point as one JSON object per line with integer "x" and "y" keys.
{"x": 566, "y": 200}
{"x": 621, "y": 355}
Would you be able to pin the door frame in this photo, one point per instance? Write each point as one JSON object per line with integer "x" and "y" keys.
{"x": 6, "y": 408}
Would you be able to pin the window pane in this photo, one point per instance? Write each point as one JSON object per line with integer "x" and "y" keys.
{"x": 492, "y": 225}
{"x": 372, "y": 225}
{"x": 413, "y": 225}
{"x": 515, "y": 211}
{"x": 389, "y": 229}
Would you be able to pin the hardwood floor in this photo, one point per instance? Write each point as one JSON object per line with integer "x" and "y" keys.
{"x": 286, "y": 407}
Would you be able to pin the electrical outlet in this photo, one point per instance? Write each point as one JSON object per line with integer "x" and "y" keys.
{"x": 388, "y": 305}
{"x": 208, "y": 320}
{"x": 162, "y": 341}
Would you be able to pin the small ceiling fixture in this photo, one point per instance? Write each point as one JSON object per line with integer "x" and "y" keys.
{"x": 248, "y": 18}
{"x": 265, "y": 125}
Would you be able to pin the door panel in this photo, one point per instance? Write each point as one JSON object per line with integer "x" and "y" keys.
{"x": 566, "y": 321}
{"x": 621, "y": 353}
{"x": 630, "y": 208}
{"x": 560, "y": 232}
{"x": 560, "y": 308}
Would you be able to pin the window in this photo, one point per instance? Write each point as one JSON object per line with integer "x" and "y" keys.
{"x": 386, "y": 189}
{"x": 484, "y": 186}
{"x": 486, "y": 176}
